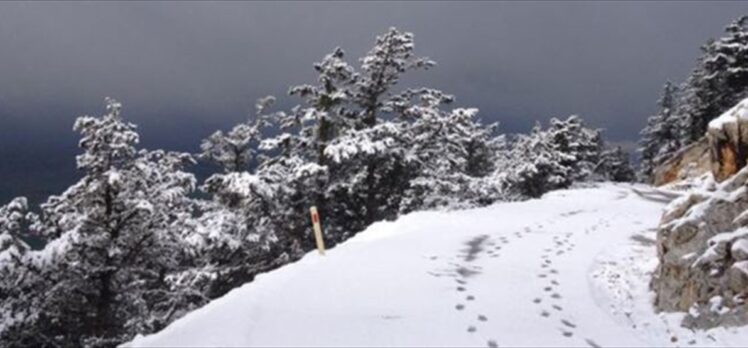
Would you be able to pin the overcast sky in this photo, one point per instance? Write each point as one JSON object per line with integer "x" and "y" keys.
{"x": 183, "y": 70}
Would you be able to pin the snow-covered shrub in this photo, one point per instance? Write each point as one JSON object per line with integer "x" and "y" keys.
{"x": 554, "y": 158}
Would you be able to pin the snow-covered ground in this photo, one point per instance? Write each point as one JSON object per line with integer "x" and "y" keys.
{"x": 570, "y": 269}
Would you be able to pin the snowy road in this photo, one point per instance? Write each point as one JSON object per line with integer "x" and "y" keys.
{"x": 570, "y": 269}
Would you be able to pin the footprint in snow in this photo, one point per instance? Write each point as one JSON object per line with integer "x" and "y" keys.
{"x": 557, "y": 307}
{"x": 554, "y": 282}
{"x": 592, "y": 343}
{"x": 460, "y": 288}
{"x": 568, "y": 323}
{"x": 537, "y": 300}
{"x": 460, "y": 306}
{"x": 492, "y": 344}
{"x": 470, "y": 297}
{"x": 567, "y": 333}
{"x": 545, "y": 314}
{"x": 555, "y": 296}
{"x": 482, "y": 317}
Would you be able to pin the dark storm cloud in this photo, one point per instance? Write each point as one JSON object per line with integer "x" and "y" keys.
{"x": 185, "y": 69}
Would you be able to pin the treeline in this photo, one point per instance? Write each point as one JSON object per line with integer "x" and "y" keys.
{"x": 130, "y": 247}
{"x": 719, "y": 81}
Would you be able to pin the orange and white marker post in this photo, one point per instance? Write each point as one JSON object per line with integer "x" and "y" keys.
{"x": 317, "y": 230}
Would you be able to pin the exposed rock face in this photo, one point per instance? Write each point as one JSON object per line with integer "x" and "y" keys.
{"x": 723, "y": 150}
{"x": 702, "y": 242}
{"x": 690, "y": 162}
{"x": 702, "y": 245}
{"x": 728, "y": 141}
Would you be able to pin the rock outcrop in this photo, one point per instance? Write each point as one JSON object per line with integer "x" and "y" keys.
{"x": 702, "y": 241}
{"x": 690, "y": 162}
{"x": 702, "y": 245}
{"x": 723, "y": 150}
{"x": 728, "y": 141}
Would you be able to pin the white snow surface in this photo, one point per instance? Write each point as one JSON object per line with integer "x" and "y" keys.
{"x": 569, "y": 269}
{"x": 737, "y": 112}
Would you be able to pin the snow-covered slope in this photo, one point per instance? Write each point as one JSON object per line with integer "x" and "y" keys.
{"x": 570, "y": 269}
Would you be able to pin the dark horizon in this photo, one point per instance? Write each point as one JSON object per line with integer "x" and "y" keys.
{"x": 186, "y": 70}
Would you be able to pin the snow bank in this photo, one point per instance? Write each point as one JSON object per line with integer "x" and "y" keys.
{"x": 737, "y": 112}
{"x": 534, "y": 273}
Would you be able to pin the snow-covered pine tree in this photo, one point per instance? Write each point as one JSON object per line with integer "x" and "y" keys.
{"x": 449, "y": 153}
{"x": 381, "y": 69}
{"x": 258, "y": 211}
{"x": 718, "y": 82}
{"x": 380, "y": 179}
{"x": 14, "y": 220}
{"x": 536, "y": 165}
{"x": 355, "y": 190}
{"x": 235, "y": 150}
{"x": 113, "y": 242}
{"x": 552, "y": 159}
{"x": 614, "y": 165}
{"x": 307, "y": 131}
{"x": 581, "y": 145}
{"x": 661, "y": 137}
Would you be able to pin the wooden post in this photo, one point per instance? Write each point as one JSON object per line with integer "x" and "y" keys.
{"x": 317, "y": 230}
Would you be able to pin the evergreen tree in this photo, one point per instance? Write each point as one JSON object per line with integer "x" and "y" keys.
{"x": 660, "y": 138}
{"x": 234, "y": 151}
{"x": 391, "y": 56}
{"x": 551, "y": 159}
{"x": 580, "y": 145}
{"x": 615, "y": 166}
{"x": 114, "y": 241}
{"x": 718, "y": 82}
{"x": 14, "y": 218}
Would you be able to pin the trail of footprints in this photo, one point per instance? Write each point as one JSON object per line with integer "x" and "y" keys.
{"x": 551, "y": 298}
{"x": 476, "y": 246}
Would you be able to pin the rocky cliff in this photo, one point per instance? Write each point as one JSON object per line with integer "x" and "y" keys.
{"x": 702, "y": 242}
